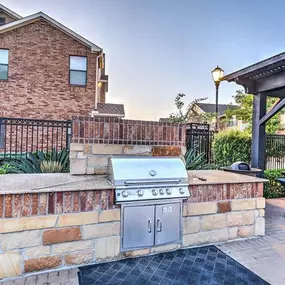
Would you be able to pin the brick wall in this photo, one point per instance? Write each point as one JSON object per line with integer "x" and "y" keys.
{"x": 51, "y": 231}
{"x": 94, "y": 140}
{"x": 38, "y": 84}
{"x": 133, "y": 132}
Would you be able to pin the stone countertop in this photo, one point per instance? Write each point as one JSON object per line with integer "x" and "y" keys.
{"x": 57, "y": 182}
{"x": 206, "y": 177}
{"x": 51, "y": 182}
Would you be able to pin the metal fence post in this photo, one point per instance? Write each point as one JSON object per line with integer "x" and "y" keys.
{"x": 68, "y": 134}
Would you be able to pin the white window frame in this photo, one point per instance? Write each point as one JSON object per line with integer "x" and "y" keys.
{"x": 77, "y": 70}
{"x": 5, "y": 64}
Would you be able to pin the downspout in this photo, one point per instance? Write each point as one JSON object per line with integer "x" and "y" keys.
{"x": 97, "y": 79}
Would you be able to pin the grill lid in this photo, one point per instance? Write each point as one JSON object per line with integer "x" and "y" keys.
{"x": 130, "y": 171}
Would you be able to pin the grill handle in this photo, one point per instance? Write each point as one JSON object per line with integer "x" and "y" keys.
{"x": 132, "y": 182}
{"x": 159, "y": 225}
{"x": 149, "y": 226}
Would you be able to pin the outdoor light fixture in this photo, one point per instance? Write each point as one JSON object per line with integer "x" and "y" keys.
{"x": 217, "y": 75}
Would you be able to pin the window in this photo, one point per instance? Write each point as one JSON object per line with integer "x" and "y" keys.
{"x": 78, "y": 70}
{"x": 2, "y": 21}
{"x": 4, "y": 54}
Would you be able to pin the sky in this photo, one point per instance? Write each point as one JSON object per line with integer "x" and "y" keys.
{"x": 156, "y": 49}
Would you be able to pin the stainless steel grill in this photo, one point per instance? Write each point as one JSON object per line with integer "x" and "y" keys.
{"x": 148, "y": 178}
{"x": 150, "y": 191}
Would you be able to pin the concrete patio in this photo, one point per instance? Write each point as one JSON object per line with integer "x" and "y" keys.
{"x": 264, "y": 256}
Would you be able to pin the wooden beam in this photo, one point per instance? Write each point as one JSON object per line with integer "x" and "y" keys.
{"x": 270, "y": 83}
{"x": 272, "y": 112}
{"x": 278, "y": 93}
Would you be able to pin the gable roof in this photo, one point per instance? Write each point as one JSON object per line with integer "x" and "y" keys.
{"x": 111, "y": 109}
{"x": 40, "y": 15}
{"x": 211, "y": 108}
{"x": 9, "y": 12}
{"x": 164, "y": 120}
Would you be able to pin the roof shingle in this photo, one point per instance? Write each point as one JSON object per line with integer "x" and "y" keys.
{"x": 211, "y": 108}
{"x": 111, "y": 109}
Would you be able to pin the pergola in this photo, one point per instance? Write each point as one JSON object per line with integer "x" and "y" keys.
{"x": 262, "y": 79}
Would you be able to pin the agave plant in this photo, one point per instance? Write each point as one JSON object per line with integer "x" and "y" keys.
{"x": 51, "y": 167}
{"x": 193, "y": 161}
{"x": 4, "y": 168}
{"x": 41, "y": 162}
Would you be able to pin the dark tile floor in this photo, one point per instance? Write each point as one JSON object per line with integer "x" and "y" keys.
{"x": 201, "y": 266}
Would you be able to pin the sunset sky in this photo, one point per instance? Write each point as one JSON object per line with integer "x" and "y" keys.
{"x": 158, "y": 48}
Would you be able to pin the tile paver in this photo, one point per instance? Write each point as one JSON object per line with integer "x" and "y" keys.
{"x": 196, "y": 266}
{"x": 265, "y": 256}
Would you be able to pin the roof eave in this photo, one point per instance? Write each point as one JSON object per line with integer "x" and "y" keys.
{"x": 10, "y": 13}
{"x": 235, "y": 76}
{"x": 41, "y": 15}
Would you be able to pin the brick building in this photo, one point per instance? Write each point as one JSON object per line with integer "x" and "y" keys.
{"x": 47, "y": 71}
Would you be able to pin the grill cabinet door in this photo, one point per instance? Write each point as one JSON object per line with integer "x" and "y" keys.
{"x": 168, "y": 223}
{"x": 138, "y": 227}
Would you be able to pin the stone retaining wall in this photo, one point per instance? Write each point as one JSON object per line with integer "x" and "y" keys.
{"x": 87, "y": 230}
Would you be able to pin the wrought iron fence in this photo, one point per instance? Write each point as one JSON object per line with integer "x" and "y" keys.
{"x": 199, "y": 137}
{"x": 18, "y": 136}
{"x": 275, "y": 151}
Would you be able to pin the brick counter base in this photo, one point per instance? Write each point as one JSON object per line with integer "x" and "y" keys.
{"x": 63, "y": 239}
{"x": 26, "y": 205}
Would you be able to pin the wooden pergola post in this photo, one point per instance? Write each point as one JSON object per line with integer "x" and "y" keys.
{"x": 258, "y": 132}
{"x": 263, "y": 79}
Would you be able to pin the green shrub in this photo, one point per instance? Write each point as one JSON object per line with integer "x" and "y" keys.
{"x": 42, "y": 162}
{"x": 210, "y": 166}
{"x": 273, "y": 188}
{"x": 231, "y": 146}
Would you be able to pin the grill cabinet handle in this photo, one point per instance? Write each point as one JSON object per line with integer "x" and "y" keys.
{"x": 149, "y": 226}
{"x": 159, "y": 225}
{"x": 130, "y": 182}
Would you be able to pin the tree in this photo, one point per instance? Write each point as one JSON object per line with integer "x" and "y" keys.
{"x": 244, "y": 111}
{"x": 190, "y": 114}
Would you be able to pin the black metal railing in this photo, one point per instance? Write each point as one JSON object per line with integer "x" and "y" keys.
{"x": 18, "y": 136}
{"x": 199, "y": 137}
{"x": 275, "y": 151}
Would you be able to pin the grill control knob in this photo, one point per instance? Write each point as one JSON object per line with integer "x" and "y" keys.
{"x": 125, "y": 194}
{"x": 181, "y": 191}
{"x": 154, "y": 192}
{"x": 161, "y": 191}
{"x": 168, "y": 191}
{"x": 140, "y": 192}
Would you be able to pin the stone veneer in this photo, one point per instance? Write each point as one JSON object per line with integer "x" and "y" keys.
{"x": 93, "y": 158}
{"x": 48, "y": 231}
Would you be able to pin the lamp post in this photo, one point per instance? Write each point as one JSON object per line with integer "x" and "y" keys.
{"x": 217, "y": 74}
